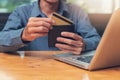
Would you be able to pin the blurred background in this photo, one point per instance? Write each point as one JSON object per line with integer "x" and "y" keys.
{"x": 99, "y": 11}
{"x": 90, "y": 6}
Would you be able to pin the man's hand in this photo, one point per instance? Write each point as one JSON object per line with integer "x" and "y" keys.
{"x": 37, "y": 27}
{"x": 75, "y": 45}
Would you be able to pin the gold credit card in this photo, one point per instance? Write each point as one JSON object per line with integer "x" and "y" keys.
{"x": 61, "y": 20}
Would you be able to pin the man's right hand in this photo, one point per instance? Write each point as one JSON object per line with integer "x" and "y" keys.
{"x": 37, "y": 27}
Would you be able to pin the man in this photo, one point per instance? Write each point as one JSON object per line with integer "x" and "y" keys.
{"x": 28, "y": 26}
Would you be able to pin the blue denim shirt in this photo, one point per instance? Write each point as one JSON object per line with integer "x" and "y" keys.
{"x": 10, "y": 36}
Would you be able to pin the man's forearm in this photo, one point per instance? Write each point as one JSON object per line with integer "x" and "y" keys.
{"x": 91, "y": 43}
{"x": 10, "y": 41}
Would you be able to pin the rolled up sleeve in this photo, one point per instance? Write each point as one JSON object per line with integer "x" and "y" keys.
{"x": 87, "y": 31}
{"x": 10, "y": 36}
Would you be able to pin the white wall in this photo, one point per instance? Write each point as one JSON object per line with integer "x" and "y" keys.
{"x": 99, "y": 6}
{"x": 117, "y": 4}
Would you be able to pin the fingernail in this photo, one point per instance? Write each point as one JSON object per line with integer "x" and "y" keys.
{"x": 81, "y": 43}
{"x": 56, "y": 45}
{"x": 53, "y": 21}
{"x": 58, "y": 38}
{"x": 63, "y": 33}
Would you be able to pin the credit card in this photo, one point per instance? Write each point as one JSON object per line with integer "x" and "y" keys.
{"x": 61, "y": 20}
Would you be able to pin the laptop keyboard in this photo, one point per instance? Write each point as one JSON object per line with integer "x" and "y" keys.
{"x": 74, "y": 58}
{"x": 85, "y": 58}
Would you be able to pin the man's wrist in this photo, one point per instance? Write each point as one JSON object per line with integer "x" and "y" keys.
{"x": 22, "y": 38}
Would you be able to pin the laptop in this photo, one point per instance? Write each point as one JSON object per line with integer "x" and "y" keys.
{"x": 107, "y": 53}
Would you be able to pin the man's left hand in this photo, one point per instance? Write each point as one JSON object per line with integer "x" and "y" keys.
{"x": 74, "y": 45}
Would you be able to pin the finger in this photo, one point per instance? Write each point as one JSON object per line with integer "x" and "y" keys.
{"x": 66, "y": 50}
{"x": 70, "y": 42}
{"x": 40, "y": 29}
{"x": 67, "y": 47}
{"x": 39, "y": 23}
{"x": 32, "y": 37}
{"x": 36, "y": 35}
{"x": 71, "y": 51}
{"x": 35, "y": 19}
{"x": 76, "y": 53}
{"x": 71, "y": 35}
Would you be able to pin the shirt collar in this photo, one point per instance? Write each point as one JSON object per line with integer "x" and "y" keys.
{"x": 63, "y": 7}
{"x": 37, "y": 12}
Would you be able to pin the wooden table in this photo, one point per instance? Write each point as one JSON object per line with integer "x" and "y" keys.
{"x": 42, "y": 66}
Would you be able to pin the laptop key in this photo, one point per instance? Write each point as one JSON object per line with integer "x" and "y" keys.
{"x": 85, "y": 58}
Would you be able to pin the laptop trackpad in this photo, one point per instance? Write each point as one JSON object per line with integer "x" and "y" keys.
{"x": 89, "y": 53}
